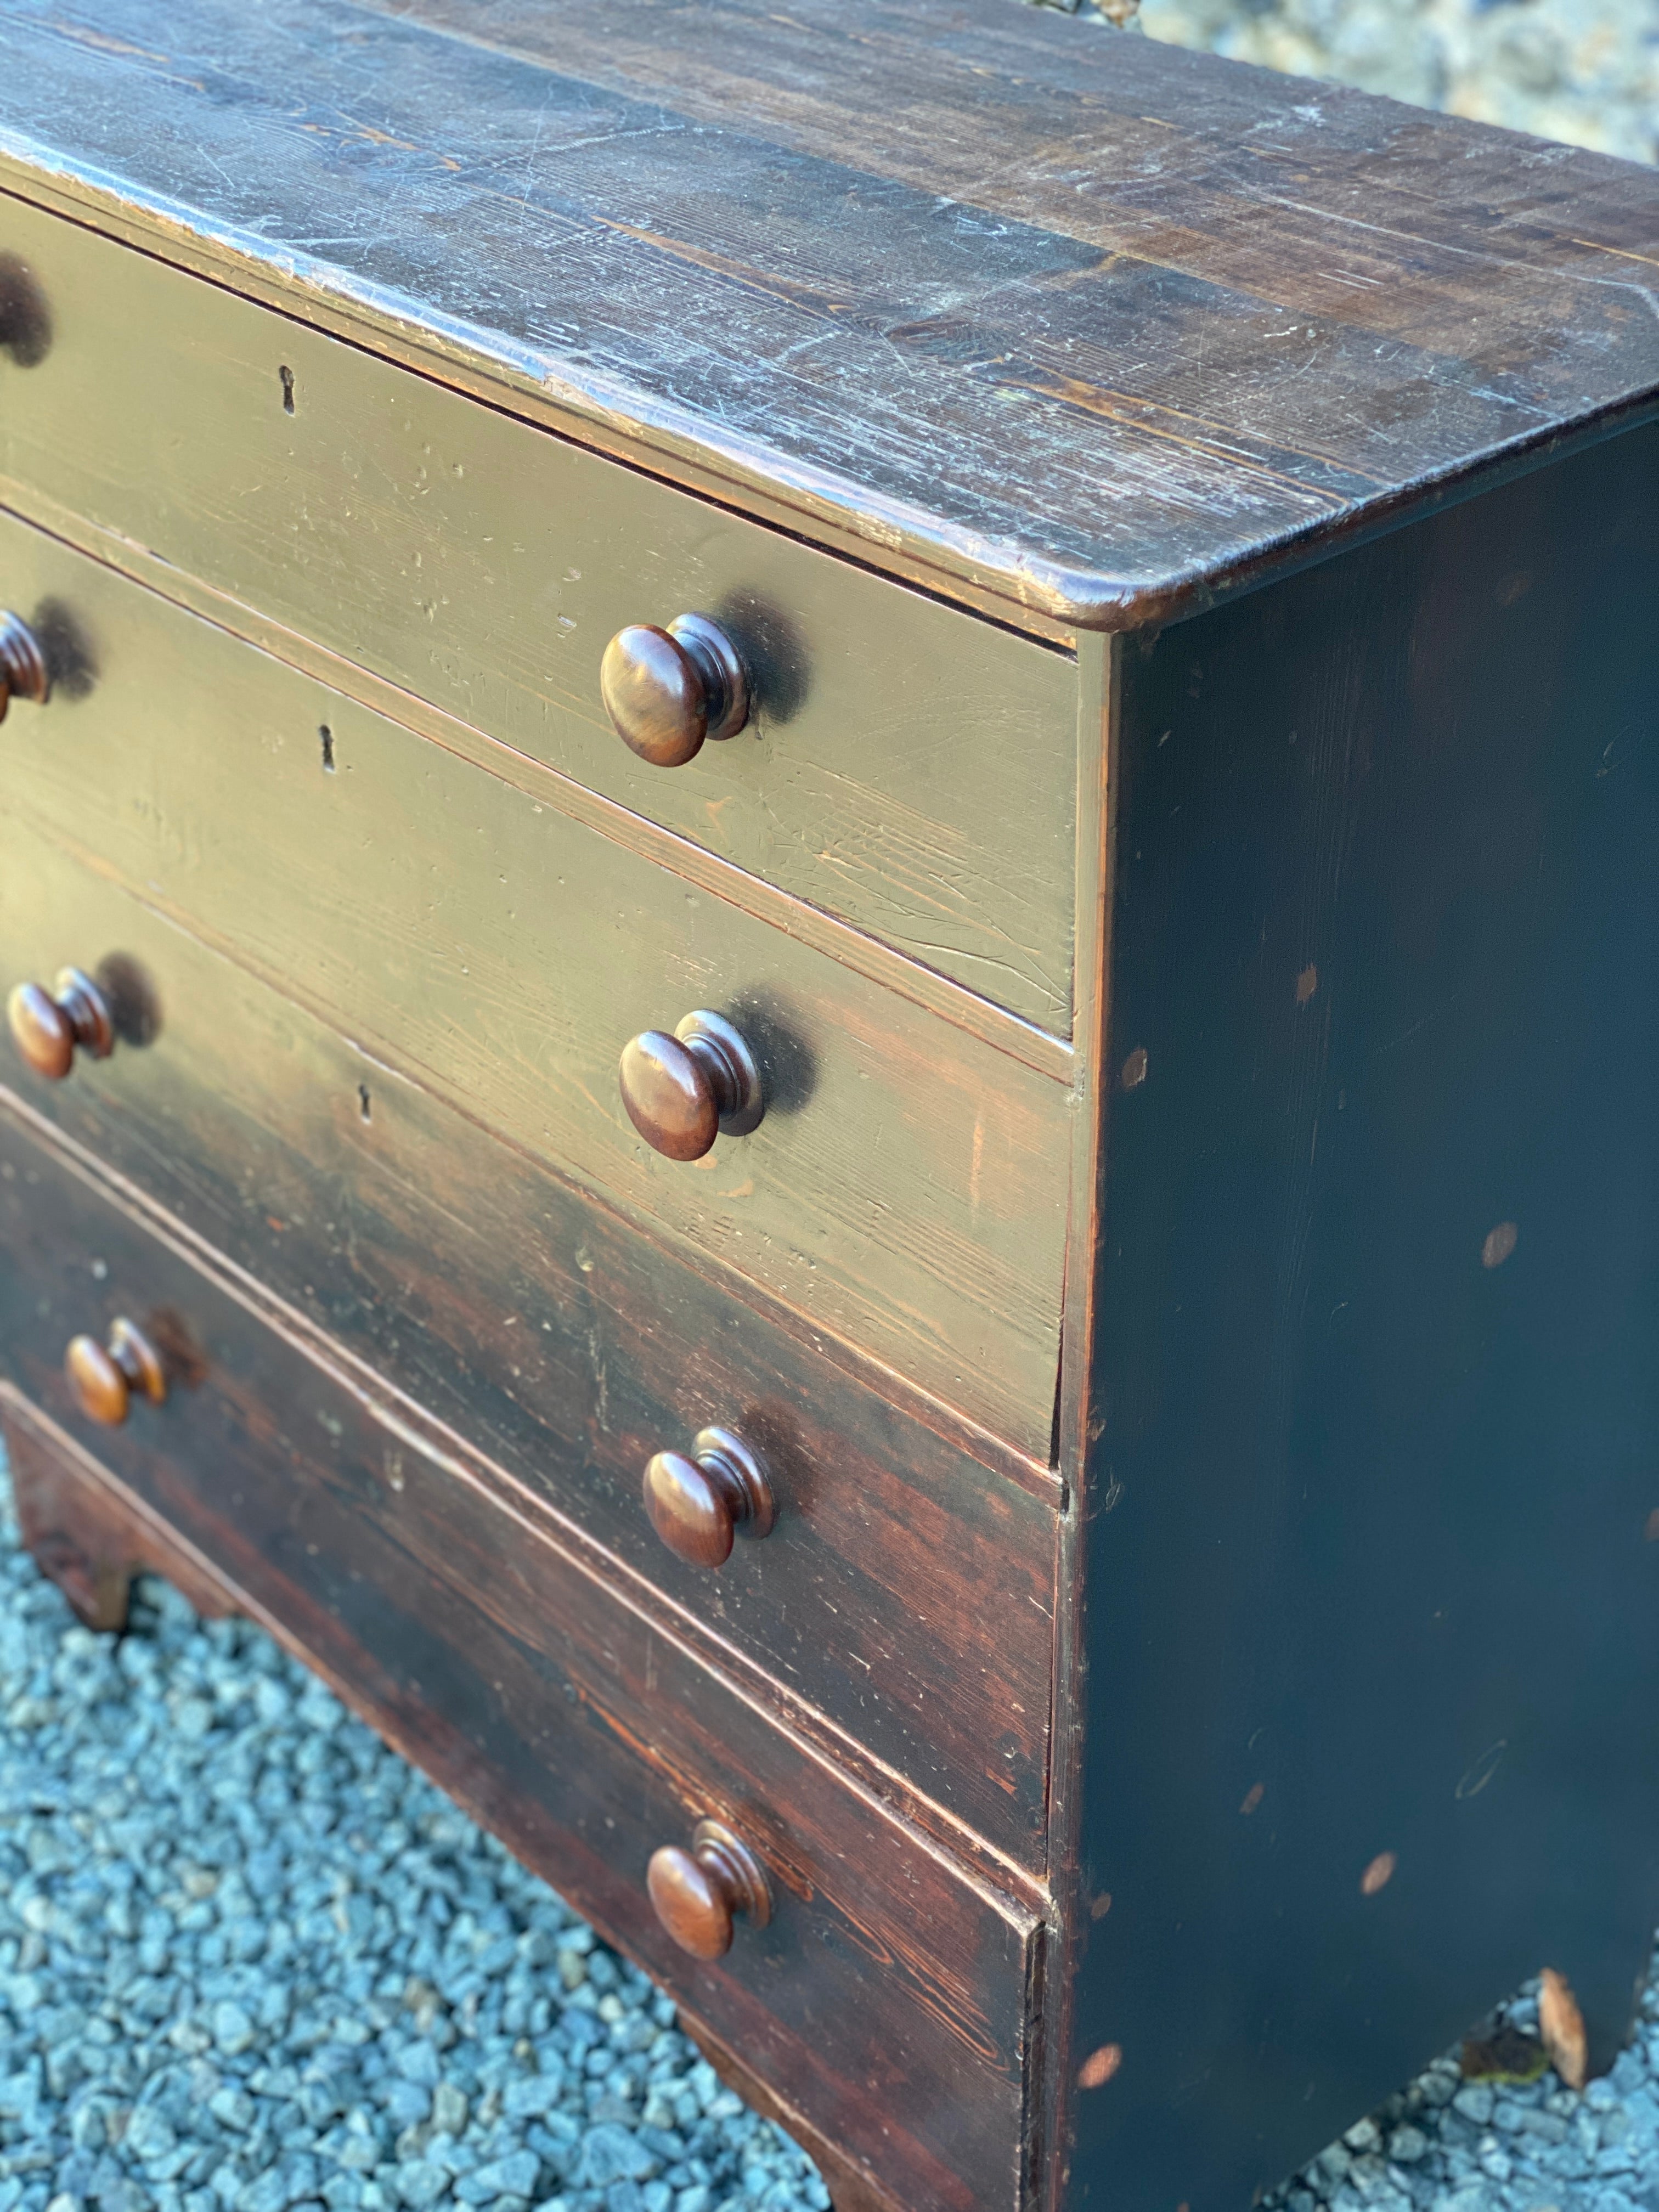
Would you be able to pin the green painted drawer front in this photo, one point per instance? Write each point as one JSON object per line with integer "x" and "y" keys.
{"x": 912, "y": 771}
{"x": 888, "y": 1987}
{"x": 907, "y": 1589}
{"x": 907, "y": 1188}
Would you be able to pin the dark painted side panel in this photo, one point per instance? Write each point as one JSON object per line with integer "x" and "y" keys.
{"x": 1373, "y": 1733}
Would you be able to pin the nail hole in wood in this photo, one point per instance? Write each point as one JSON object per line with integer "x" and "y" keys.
{"x": 287, "y": 375}
{"x": 326, "y": 735}
{"x": 362, "y": 1102}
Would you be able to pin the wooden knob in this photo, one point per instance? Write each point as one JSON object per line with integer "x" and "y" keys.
{"x": 667, "y": 689}
{"x": 683, "y": 1092}
{"x": 698, "y": 1504}
{"x": 47, "y": 1026}
{"x": 697, "y": 1894}
{"x": 105, "y": 1375}
{"x": 22, "y": 665}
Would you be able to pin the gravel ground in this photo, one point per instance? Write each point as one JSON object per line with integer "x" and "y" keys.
{"x": 249, "y": 1959}
{"x": 1448, "y": 2145}
{"x": 1583, "y": 70}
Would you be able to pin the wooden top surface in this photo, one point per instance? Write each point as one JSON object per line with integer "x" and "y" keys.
{"x": 1055, "y": 320}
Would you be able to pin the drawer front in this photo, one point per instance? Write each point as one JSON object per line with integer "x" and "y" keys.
{"x": 907, "y": 1188}
{"x": 906, "y": 1590}
{"x": 910, "y": 769}
{"x": 887, "y": 1996}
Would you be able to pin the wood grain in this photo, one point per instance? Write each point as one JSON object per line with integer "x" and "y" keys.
{"x": 808, "y": 925}
{"x": 850, "y": 2190}
{"x": 905, "y": 1594}
{"x": 908, "y": 1186}
{"x": 1081, "y": 326}
{"x": 90, "y": 1536}
{"x": 906, "y": 769}
{"x": 887, "y": 1993}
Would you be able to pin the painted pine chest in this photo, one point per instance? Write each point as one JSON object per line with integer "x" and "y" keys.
{"x": 828, "y": 871}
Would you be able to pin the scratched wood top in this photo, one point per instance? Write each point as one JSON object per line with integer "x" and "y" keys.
{"x": 1059, "y": 322}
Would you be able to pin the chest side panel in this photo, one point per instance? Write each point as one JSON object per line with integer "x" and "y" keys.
{"x": 1372, "y": 1732}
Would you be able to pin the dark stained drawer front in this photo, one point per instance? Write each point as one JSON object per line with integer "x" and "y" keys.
{"x": 907, "y": 1587}
{"x": 909, "y": 769}
{"x": 906, "y": 1188}
{"x": 888, "y": 1993}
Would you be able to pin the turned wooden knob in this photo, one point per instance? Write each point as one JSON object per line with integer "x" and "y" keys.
{"x": 683, "y": 1092}
{"x": 667, "y": 689}
{"x": 697, "y": 1894}
{"x": 48, "y": 1026}
{"x": 22, "y": 665}
{"x": 698, "y": 1504}
{"x": 105, "y": 1375}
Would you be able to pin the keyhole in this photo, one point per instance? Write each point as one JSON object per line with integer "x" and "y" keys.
{"x": 327, "y": 737}
{"x": 287, "y": 375}
{"x": 362, "y": 1102}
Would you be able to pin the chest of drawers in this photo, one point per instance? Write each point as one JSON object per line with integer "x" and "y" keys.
{"x": 827, "y": 860}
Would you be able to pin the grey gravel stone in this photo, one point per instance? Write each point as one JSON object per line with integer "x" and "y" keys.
{"x": 608, "y": 2154}
{"x": 250, "y": 1962}
{"x": 233, "y": 2031}
{"x": 1584, "y": 71}
{"x": 515, "y": 2175}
